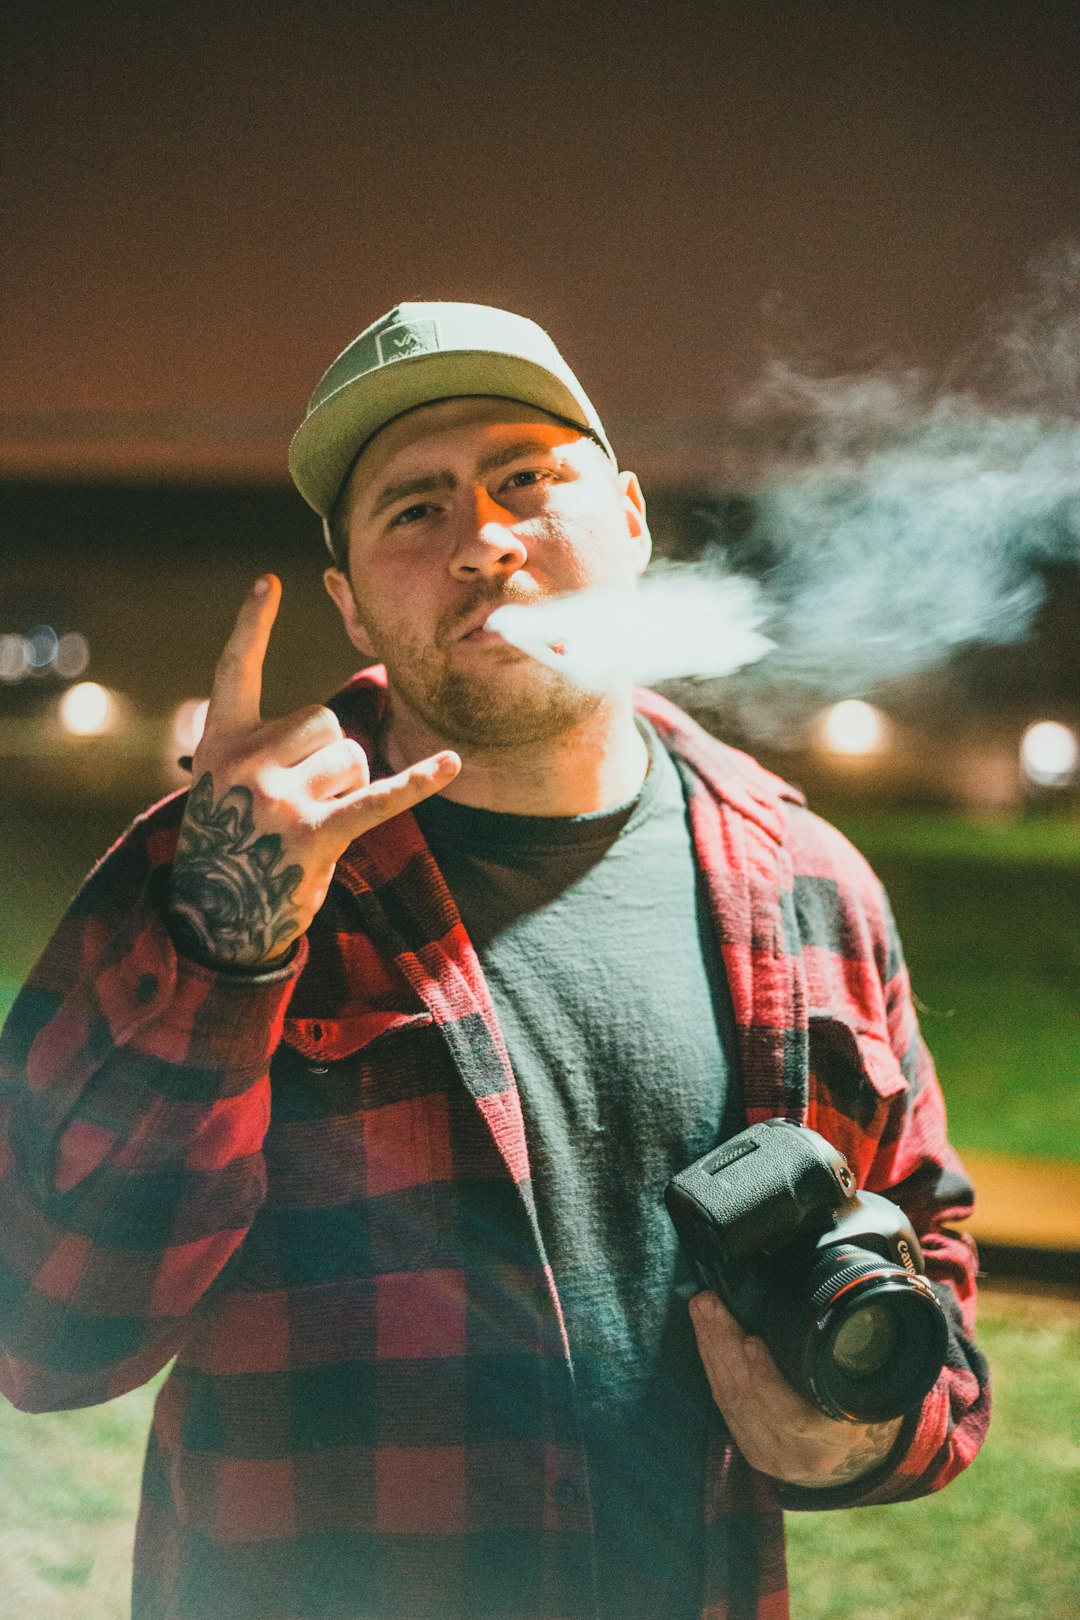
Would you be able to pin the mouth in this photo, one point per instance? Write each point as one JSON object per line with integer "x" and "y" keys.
{"x": 476, "y": 630}
{"x": 484, "y": 637}
{"x": 487, "y": 628}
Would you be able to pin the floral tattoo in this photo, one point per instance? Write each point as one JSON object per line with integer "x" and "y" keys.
{"x": 230, "y": 900}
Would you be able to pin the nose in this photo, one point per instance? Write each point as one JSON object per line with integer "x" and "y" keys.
{"x": 487, "y": 546}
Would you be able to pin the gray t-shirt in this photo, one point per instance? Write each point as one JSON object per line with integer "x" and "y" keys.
{"x": 607, "y": 981}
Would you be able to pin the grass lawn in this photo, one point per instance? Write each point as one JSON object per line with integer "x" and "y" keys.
{"x": 1001, "y": 1541}
{"x": 69, "y": 1491}
{"x": 988, "y": 915}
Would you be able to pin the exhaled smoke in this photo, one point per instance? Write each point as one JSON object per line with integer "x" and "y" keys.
{"x": 892, "y": 523}
{"x": 684, "y": 619}
{"x": 884, "y": 561}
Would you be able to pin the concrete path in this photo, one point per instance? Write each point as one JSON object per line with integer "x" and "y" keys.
{"x": 1025, "y": 1202}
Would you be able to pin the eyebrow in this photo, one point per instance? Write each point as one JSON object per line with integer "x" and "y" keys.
{"x": 446, "y": 482}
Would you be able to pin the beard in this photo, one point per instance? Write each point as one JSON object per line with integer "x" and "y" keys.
{"x": 500, "y": 698}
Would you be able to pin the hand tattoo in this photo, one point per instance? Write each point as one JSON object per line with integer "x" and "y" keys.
{"x": 878, "y": 1440}
{"x": 228, "y": 900}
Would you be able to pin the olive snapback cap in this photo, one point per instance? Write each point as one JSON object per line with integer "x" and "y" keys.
{"x": 415, "y": 355}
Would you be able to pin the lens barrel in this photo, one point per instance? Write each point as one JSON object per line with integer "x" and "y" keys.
{"x": 861, "y": 1337}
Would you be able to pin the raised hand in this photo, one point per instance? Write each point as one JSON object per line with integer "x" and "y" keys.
{"x": 273, "y": 806}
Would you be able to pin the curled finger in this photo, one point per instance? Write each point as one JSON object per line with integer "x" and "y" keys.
{"x": 293, "y": 738}
{"x": 338, "y": 768}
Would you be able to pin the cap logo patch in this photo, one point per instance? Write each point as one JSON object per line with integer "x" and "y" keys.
{"x": 406, "y": 338}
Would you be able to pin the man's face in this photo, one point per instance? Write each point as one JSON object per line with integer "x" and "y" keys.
{"x": 455, "y": 509}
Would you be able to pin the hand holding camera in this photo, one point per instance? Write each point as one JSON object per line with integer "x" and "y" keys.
{"x": 778, "y": 1431}
{"x": 828, "y": 1330}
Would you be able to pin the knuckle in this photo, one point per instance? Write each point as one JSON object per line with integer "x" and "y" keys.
{"x": 307, "y": 713}
{"x": 268, "y": 787}
{"x": 340, "y": 756}
{"x": 318, "y": 718}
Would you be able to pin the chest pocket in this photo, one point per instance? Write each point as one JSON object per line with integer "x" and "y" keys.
{"x": 358, "y": 1106}
{"x": 358, "y": 1147}
{"x": 855, "y": 1085}
{"x": 360, "y": 1063}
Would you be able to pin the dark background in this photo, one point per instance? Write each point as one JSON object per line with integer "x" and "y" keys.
{"x": 202, "y": 204}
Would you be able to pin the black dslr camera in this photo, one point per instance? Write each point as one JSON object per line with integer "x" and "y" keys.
{"x": 831, "y": 1278}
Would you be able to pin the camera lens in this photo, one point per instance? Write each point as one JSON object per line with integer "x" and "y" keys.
{"x": 878, "y": 1343}
{"x": 856, "y": 1334}
{"x": 865, "y": 1340}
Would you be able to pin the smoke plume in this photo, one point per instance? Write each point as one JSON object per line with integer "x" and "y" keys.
{"x": 896, "y": 518}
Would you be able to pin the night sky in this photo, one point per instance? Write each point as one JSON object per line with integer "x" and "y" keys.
{"x": 202, "y": 204}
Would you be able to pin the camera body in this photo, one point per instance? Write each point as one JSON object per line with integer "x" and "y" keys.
{"x": 830, "y": 1277}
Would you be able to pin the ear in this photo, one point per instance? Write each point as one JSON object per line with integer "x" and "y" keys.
{"x": 637, "y": 524}
{"x": 340, "y": 592}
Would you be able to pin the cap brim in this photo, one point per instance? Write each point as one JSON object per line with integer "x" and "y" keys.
{"x": 328, "y": 441}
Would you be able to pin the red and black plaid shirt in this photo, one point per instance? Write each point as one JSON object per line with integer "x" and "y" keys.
{"x": 312, "y": 1188}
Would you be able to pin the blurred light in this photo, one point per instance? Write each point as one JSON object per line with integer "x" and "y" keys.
{"x": 1049, "y": 754}
{"x": 188, "y": 723}
{"x": 88, "y": 709}
{"x": 41, "y": 646}
{"x": 72, "y": 655}
{"x": 13, "y": 665}
{"x": 854, "y": 727}
{"x": 41, "y": 650}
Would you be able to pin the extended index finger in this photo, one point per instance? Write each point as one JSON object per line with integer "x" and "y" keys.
{"x": 237, "y": 690}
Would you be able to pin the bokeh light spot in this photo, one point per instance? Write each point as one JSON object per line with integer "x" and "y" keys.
{"x": 1049, "y": 754}
{"x": 87, "y": 710}
{"x": 41, "y": 646}
{"x": 188, "y": 724}
{"x": 854, "y": 727}
{"x": 72, "y": 655}
{"x": 13, "y": 665}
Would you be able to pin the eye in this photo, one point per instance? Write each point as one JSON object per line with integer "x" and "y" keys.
{"x": 412, "y": 514}
{"x": 529, "y": 476}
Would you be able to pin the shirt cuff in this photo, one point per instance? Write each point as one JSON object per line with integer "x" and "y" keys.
{"x": 185, "y": 1013}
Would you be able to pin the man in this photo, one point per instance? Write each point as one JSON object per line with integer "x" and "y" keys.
{"x": 354, "y": 1077}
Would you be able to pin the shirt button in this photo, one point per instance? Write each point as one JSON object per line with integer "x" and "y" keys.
{"x": 146, "y": 988}
{"x": 566, "y": 1493}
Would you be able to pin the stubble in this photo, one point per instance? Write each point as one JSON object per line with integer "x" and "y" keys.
{"x": 494, "y": 697}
